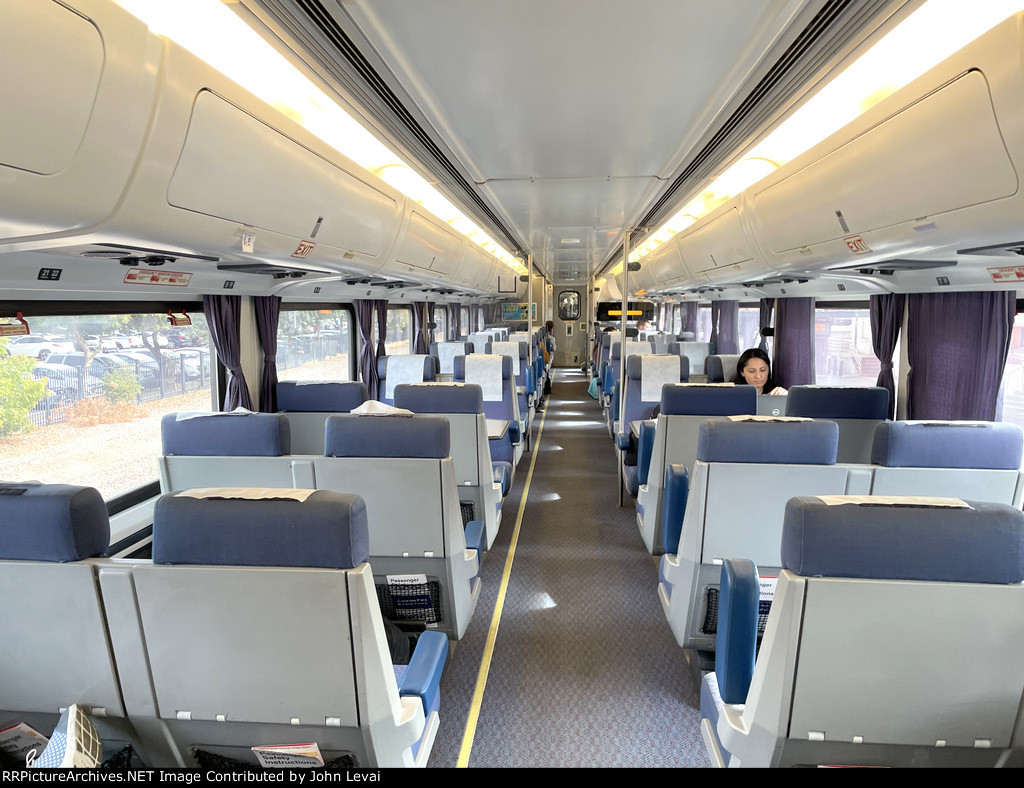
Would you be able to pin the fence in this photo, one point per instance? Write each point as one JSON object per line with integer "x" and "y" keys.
{"x": 66, "y": 385}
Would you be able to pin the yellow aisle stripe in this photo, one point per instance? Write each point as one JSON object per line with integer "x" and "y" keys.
{"x": 492, "y": 635}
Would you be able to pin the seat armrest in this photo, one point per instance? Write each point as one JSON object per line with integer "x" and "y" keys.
{"x": 475, "y": 539}
{"x": 736, "y": 641}
{"x": 422, "y": 679}
{"x": 677, "y": 489}
{"x": 513, "y": 432}
{"x": 499, "y": 473}
{"x": 622, "y": 441}
{"x": 645, "y": 448}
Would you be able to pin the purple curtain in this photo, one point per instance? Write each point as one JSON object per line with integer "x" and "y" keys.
{"x": 380, "y": 306}
{"x": 764, "y": 320}
{"x": 957, "y": 344}
{"x": 431, "y": 319}
{"x": 268, "y": 309}
{"x": 794, "y": 342}
{"x": 725, "y": 325}
{"x": 886, "y": 312}
{"x": 454, "y": 322}
{"x": 367, "y": 356}
{"x": 419, "y": 327}
{"x": 223, "y": 317}
{"x": 690, "y": 317}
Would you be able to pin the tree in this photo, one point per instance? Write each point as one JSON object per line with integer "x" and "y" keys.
{"x": 19, "y": 391}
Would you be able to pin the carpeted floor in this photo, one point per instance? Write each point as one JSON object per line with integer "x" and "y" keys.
{"x": 585, "y": 671}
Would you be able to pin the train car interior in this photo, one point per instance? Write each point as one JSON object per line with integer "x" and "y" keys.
{"x": 511, "y": 383}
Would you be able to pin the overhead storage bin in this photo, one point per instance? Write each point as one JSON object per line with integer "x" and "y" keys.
{"x": 428, "y": 248}
{"x": 941, "y": 153}
{"x": 236, "y": 167}
{"x": 75, "y": 100}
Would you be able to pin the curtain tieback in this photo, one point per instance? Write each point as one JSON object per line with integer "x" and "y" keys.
{"x": 235, "y": 371}
{"x": 888, "y": 366}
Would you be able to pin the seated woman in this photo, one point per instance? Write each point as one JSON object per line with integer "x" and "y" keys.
{"x": 754, "y": 369}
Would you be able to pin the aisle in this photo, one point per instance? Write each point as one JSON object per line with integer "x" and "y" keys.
{"x": 584, "y": 670}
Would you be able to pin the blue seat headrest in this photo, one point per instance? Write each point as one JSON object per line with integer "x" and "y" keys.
{"x": 963, "y": 444}
{"x": 387, "y": 436}
{"x": 467, "y": 347}
{"x": 52, "y": 522}
{"x": 326, "y": 530}
{"x": 693, "y": 399}
{"x": 838, "y": 402}
{"x": 225, "y": 434}
{"x": 440, "y": 397}
{"x": 781, "y": 443}
{"x": 720, "y": 368}
{"x": 321, "y": 396}
{"x": 907, "y": 541}
{"x": 635, "y": 366}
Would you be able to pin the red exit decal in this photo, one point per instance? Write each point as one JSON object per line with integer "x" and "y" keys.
{"x": 857, "y": 245}
{"x": 1012, "y": 273}
{"x": 305, "y": 247}
{"x": 147, "y": 276}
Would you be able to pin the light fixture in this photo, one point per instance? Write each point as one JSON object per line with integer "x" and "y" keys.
{"x": 211, "y": 31}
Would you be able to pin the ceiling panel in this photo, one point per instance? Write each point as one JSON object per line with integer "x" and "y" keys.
{"x": 570, "y": 113}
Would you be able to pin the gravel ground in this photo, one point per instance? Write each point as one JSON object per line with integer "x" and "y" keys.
{"x": 116, "y": 458}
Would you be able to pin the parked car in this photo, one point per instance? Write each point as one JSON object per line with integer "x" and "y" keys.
{"x": 63, "y": 381}
{"x": 127, "y": 341}
{"x": 102, "y": 363}
{"x": 39, "y": 345}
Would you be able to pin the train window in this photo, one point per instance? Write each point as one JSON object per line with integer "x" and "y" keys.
{"x": 568, "y": 305}
{"x": 843, "y": 355}
{"x": 464, "y": 321}
{"x": 441, "y": 318}
{"x": 750, "y": 329}
{"x": 84, "y": 405}
{"x": 1011, "y": 393}
{"x": 704, "y": 324}
{"x": 677, "y": 319}
{"x": 314, "y": 344}
{"x": 398, "y": 339}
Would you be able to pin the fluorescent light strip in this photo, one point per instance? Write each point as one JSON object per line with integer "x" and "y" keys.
{"x": 212, "y": 32}
{"x": 936, "y": 30}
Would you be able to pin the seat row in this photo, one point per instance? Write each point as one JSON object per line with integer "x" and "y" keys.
{"x": 256, "y": 623}
{"x": 747, "y": 469}
{"x": 402, "y": 469}
{"x": 894, "y": 639}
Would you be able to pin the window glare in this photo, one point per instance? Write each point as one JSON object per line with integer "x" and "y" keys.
{"x": 398, "y": 339}
{"x": 843, "y": 354}
{"x": 89, "y": 394}
{"x": 314, "y": 344}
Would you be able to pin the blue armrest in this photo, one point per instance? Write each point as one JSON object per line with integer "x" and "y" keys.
{"x": 645, "y": 448}
{"x": 531, "y": 381}
{"x": 513, "y": 432}
{"x": 500, "y": 475}
{"x": 475, "y": 536}
{"x": 736, "y": 642}
{"x": 677, "y": 487}
{"x": 622, "y": 441}
{"x": 423, "y": 676}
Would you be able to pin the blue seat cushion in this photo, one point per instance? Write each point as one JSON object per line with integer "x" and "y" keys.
{"x": 693, "y": 399}
{"x": 980, "y": 543}
{"x": 838, "y": 402}
{"x": 387, "y": 436}
{"x": 321, "y": 396}
{"x": 52, "y": 522}
{"x": 225, "y": 435}
{"x": 440, "y": 397}
{"x": 790, "y": 443}
{"x": 327, "y": 530}
{"x": 995, "y": 445}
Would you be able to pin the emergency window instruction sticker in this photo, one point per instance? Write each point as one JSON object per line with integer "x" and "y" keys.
{"x": 1011, "y": 273}
{"x": 147, "y": 276}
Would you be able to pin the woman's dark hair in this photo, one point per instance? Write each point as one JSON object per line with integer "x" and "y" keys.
{"x": 749, "y": 353}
